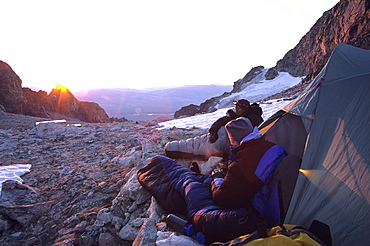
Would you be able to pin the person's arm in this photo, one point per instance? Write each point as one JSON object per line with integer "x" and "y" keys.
{"x": 237, "y": 188}
{"x": 230, "y": 115}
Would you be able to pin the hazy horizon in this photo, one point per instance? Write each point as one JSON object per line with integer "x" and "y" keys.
{"x": 123, "y": 88}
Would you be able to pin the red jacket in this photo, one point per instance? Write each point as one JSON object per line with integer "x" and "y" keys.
{"x": 240, "y": 183}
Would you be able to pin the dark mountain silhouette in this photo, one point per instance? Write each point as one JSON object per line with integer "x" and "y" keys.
{"x": 61, "y": 103}
{"x": 11, "y": 99}
{"x": 58, "y": 104}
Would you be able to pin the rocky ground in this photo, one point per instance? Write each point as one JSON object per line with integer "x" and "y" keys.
{"x": 82, "y": 187}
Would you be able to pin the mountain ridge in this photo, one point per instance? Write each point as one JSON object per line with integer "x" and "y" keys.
{"x": 347, "y": 22}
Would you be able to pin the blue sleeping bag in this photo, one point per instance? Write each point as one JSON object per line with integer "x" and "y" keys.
{"x": 182, "y": 191}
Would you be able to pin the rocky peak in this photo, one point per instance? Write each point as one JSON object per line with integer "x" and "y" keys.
{"x": 347, "y": 22}
{"x": 59, "y": 103}
{"x": 10, "y": 90}
{"x": 240, "y": 84}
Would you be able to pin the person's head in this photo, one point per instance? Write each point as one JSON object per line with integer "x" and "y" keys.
{"x": 241, "y": 106}
{"x": 237, "y": 129}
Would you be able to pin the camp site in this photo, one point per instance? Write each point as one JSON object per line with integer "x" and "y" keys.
{"x": 323, "y": 181}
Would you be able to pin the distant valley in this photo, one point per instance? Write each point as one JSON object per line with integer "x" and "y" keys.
{"x": 150, "y": 104}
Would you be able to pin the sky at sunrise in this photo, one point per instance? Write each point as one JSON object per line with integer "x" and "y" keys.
{"x": 143, "y": 44}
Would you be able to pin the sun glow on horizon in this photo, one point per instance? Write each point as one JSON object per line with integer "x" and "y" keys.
{"x": 61, "y": 88}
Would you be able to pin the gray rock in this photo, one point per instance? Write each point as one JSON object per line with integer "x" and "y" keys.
{"x": 108, "y": 239}
{"x": 15, "y": 193}
{"x": 271, "y": 74}
{"x": 25, "y": 214}
{"x": 129, "y": 232}
{"x": 147, "y": 234}
{"x": 80, "y": 227}
{"x": 5, "y": 224}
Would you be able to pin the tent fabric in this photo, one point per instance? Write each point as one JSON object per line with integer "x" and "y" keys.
{"x": 333, "y": 185}
{"x": 295, "y": 143}
{"x": 285, "y": 177}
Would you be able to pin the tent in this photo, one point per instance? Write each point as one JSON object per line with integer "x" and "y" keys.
{"x": 327, "y": 130}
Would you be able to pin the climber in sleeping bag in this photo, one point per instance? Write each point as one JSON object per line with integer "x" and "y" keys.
{"x": 215, "y": 142}
{"x": 226, "y": 204}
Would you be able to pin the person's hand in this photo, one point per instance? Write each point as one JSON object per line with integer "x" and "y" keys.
{"x": 213, "y": 136}
{"x": 231, "y": 114}
{"x": 195, "y": 167}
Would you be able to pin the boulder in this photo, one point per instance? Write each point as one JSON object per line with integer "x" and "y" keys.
{"x": 187, "y": 111}
{"x": 271, "y": 74}
{"x": 15, "y": 193}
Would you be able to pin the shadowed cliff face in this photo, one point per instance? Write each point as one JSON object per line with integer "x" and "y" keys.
{"x": 10, "y": 90}
{"x": 347, "y": 22}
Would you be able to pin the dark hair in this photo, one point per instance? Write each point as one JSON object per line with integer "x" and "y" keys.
{"x": 244, "y": 104}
